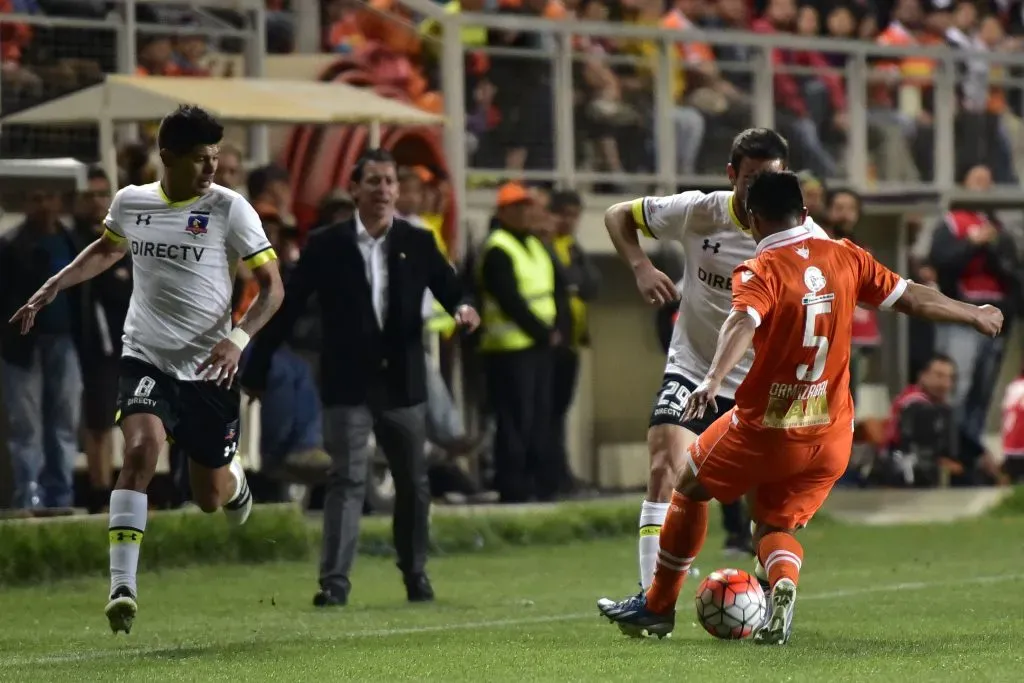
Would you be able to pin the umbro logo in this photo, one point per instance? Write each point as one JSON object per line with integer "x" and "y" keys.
{"x": 746, "y": 276}
{"x": 714, "y": 247}
{"x": 140, "y": 219}
{"x": 803, "y": 252}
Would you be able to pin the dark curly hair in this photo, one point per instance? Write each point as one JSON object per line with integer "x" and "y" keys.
{"x": 188, "y": 127}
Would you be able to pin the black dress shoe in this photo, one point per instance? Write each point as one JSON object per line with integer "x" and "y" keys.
{"x": 418, "y": 588}
{"x": 325, "y": 598}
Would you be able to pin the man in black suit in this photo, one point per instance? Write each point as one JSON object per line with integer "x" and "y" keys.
{"x": 369, "y": 274}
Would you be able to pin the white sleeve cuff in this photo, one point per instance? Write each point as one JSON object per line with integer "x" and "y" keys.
{"x": 754, "y": 315}
{"x": 894, "y": 295}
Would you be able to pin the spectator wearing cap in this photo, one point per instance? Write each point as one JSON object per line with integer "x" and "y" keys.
{"x": 520, "y": 320}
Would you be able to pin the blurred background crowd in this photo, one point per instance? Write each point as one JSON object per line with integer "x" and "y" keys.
{"x": 936, "y": 432}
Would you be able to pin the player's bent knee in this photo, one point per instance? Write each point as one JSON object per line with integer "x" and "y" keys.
{"x": 141, "y": 452}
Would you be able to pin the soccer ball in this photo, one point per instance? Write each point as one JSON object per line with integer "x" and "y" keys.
{"x": 730, "y": 604}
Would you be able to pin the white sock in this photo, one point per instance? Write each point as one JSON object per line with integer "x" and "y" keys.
{"x": 652, "y": 516}
{"x": 127, "y": 525}
{"x": 237, "y": 508}
{"x": 240, "y": 483}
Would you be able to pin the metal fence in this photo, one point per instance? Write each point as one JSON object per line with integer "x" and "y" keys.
{"x": 61, "y": 53}
{"x": 899, "y": 131}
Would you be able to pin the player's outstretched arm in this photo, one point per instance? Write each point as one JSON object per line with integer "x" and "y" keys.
{"x": 93, "y": 260}
{"x": 925, "y": 302}
{"x": 735, "y": 337}
{"x": 622, "y": 227}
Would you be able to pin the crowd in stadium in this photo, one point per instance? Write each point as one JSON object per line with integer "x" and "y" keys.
{"x": 713, "y": 87}
{"x": 614, "y": 112}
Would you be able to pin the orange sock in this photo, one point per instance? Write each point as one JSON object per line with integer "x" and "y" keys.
{"x": 781, "y": 555}
{"x": 682, "y": 536}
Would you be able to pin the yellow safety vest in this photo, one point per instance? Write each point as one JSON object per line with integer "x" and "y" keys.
{"x": 578, "y": 307}
{"x": 473, "y": 36}
{"x": 439, "y": 322}
{"x": 535, "y": 276}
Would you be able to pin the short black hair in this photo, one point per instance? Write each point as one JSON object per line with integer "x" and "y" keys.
{"x": 565, "y": 199}
{"x": 188, "y": 127}
{"x": 97, "y": 173}
{"x": 758, "y": 143}
{"x": 377, "y": 155}
{"x": 775, "y": 196}
{"x": 833, "y": 194}
{"x": 260, "y": 178}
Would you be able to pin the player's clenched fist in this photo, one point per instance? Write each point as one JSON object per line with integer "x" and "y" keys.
{"x": 656, "y": 287}
{"x": 988, "y": 320}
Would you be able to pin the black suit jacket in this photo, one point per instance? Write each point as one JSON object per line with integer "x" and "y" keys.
{"x": 357, "y": 356}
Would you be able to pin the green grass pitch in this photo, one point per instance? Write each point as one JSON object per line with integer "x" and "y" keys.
{"x": 916, "y": 603}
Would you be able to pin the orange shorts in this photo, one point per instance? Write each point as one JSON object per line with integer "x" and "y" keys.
{"x": 790, "y": 479}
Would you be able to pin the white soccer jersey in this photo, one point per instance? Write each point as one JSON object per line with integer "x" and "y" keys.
{"x": 183, "y": 263}
{"x": 714, "y": 243}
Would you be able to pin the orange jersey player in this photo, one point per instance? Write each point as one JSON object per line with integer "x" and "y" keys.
{"x": 788, "y": 439}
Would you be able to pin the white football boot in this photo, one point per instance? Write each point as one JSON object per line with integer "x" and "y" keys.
{"x": 779, "y": 625}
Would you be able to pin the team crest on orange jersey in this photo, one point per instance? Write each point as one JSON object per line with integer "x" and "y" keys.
{"x": 814, "y": 279}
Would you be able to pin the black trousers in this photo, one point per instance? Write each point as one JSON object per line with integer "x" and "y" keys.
{"x": 519, "y": 384}
{"x": 566, "y": 371}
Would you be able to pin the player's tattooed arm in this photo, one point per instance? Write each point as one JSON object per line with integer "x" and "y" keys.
{"x": 735, "y": 337}
{"x": 622, "y": 227}
{"x": 271, "y": 294}
{"x": 93, "y": 260}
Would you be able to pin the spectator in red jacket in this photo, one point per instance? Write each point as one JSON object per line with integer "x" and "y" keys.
{"x": 805, "y": 105}
{"x": 976, "y": 261}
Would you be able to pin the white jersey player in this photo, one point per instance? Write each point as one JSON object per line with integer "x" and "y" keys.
{"x": 185, "y": 235}
{"x": 715, "y": 238}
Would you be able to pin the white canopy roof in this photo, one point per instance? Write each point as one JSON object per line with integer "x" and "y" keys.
{"x": 240, "y": 100}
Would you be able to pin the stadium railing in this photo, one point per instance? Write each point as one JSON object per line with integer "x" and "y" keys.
{"x": 864, "y": 153}
{"x": 61, "y": 54}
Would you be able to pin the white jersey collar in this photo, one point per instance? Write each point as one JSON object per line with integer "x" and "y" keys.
{"x": 363, "y": 233}
{"x": 785, "y": 238}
